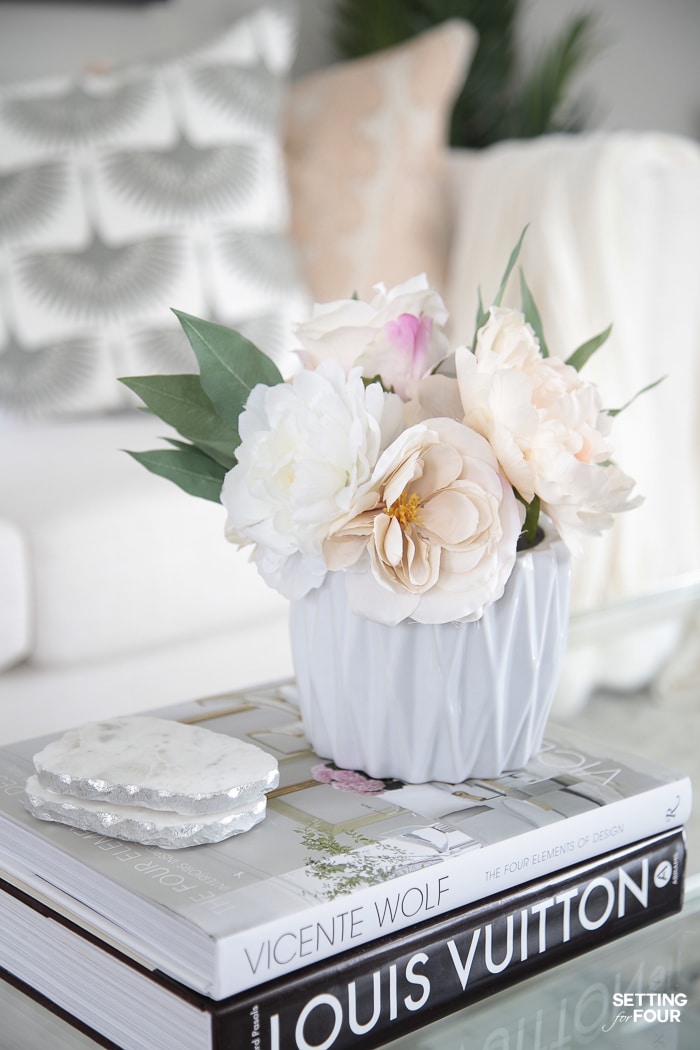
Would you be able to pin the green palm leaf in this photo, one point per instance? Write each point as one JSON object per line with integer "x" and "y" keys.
{"x": 494, "y": 104}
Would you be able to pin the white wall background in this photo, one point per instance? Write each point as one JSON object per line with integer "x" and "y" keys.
{"x": 646, "y": 76}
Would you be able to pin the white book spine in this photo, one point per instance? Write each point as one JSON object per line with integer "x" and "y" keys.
{"x": 278, "y": 947}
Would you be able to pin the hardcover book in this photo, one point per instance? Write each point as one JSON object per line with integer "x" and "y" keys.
{"x": 640, "y": 992}
{"x": 365, "y": 996}
{"x": 340, "y": 859}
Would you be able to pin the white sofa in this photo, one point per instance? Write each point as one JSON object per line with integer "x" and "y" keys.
{"x": 119, "y": 593}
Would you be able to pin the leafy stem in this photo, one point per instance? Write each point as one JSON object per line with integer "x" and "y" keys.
{"x": 528, "y": 534}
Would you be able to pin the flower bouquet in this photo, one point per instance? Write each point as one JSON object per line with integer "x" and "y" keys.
{"x": 390, "y": 488}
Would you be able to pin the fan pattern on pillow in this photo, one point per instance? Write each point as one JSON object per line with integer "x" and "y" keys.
{"x": 124, "y": 195}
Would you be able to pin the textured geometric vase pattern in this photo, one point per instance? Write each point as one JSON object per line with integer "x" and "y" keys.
{"x": 434, "y": 702}
{"x": 127, "y": 194}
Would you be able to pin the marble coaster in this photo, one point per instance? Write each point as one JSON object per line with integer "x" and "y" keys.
{"x": 157, "y": 764}
{"x": 138, "y": 824}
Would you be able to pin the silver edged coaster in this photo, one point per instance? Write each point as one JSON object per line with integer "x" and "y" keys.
{"x": 138, "y": 824}
{"x": 157, "y": 764}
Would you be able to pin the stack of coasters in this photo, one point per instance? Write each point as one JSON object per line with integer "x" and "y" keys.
{"x": 152, "y": 781}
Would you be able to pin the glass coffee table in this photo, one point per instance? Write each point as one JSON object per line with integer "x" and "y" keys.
{"x": 639, "y": 993}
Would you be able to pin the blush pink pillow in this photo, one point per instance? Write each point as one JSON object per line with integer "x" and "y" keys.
{"x": 365, "y": 149}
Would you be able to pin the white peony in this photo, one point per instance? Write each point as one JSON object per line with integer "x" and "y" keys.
{"x": 545, "y": 423}
{"x": 398, "y": 336}
{"x": 433, "y": 534}
{"x": 306, "y": 448}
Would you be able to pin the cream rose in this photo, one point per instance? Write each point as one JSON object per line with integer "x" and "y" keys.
{"x": 398, "y": 336}
{"x": 306, "y": 448}
{"x": 545, "y": 423}
{"x": 433, "y": 534}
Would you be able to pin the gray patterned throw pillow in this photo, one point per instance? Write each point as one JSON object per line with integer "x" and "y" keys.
{"x": 125, "y": 194}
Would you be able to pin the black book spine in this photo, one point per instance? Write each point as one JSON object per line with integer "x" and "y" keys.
{"x": 399, "y": 983}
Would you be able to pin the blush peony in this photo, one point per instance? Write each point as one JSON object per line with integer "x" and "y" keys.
{"x": 433, "y": 534}
{"x": 545, "y": 424}
{"x": 398, "y": 336}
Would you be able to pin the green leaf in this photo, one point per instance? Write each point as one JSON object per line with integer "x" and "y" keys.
{"x": 178, "y": 444}
{"x": 509, "y": 268}
{"x": 644, "y": 390}
{"x": 528, "y": 533}
{"x": 532, "y": 314}
{"x": 180, "y": 401}
{"x": 368, "y": 381}
{"x": 579, "y": 357}
{"x": 229, "y": 364}
{"x": 188, "y": 467}
{"x": 482, "y": 316}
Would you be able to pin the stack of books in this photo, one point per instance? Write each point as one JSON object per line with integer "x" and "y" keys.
{"x": 358, "y": 911}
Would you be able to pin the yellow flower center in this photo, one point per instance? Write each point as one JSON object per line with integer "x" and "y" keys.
{"x": 405, "y": 509}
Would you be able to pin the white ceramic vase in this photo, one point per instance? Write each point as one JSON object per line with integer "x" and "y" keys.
{"x": 424, "y": 702}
